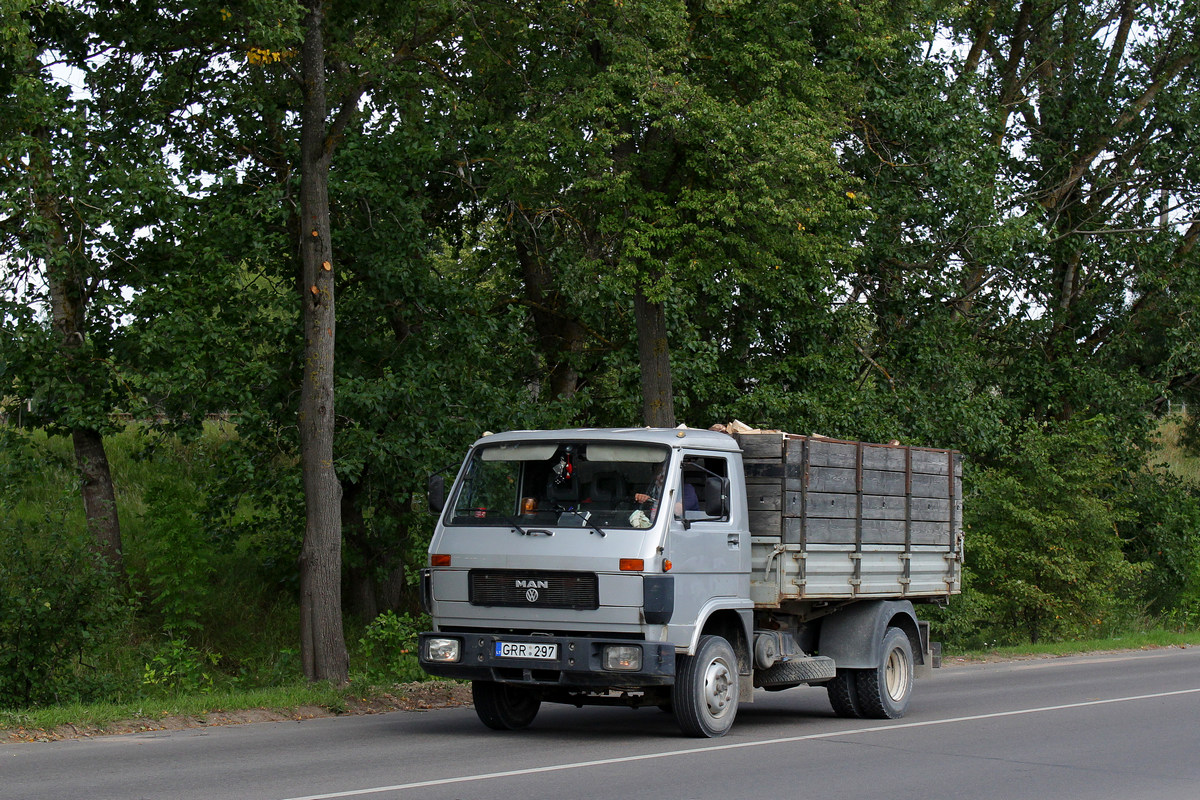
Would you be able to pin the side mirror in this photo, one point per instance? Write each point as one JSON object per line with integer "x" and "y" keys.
{"x": 716, "y": 497}
{"x": 437, "y": 494}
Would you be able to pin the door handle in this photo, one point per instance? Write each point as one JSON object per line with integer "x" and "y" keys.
{"x": 734, "y": 540}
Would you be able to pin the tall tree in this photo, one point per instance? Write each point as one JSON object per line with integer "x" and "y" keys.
{"x": 79, "y": 168}
{"x": 1028, "y": 282}
{"x": 1035, "y": 193}
{"x": 653, "y": 152}
{"x": 323, "y": 645}
{"x": 280, "y": 101}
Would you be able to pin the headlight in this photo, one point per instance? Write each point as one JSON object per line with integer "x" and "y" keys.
{"x": 622, "y": 657}
{"x": 443, "y": 650}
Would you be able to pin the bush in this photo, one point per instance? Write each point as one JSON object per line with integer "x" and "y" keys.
{"x": 389, "y": 649}
{"x": 178, "y": 554}
{"x": 180, "y": 667}
{"x": 1164, "y": 534}
{"x": 59, "y": 608}
{"x": 1045, "y": 558}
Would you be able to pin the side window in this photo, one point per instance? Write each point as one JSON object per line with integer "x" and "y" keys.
{"x": 696, "y": 484}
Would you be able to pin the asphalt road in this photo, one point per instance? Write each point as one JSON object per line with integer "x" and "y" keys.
{"x": 1096, "y": 727}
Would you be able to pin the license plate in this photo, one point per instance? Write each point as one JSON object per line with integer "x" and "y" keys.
{"x": 540, "y": 652}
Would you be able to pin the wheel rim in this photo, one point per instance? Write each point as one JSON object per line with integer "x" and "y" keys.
{"x": 896, "y": 674}
{"x": 719, "y": 688}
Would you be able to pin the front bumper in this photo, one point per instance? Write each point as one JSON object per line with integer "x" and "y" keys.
{"x": 579, "y": 662}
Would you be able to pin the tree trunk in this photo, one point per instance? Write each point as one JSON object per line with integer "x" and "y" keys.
{"x": 322, "y": 641}
{"x": 560, "y": 338}
{"x": 658, "y": 394}
{"x": 99, "y": 496}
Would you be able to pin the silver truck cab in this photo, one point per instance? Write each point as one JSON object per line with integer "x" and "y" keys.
{"x": 581, "y": 562}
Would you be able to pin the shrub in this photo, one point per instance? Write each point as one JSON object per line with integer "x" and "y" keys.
{"x": 389, "y": 648}
{"x": 1164, "y": 534}
{"x": 59, "y": 607}
{"x": 1045, "y": 558}
{"x": 180, "y": 667}
{"x": 178, "y": 554}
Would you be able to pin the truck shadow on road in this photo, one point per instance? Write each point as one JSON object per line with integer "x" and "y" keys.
{"x": 559, "y": 723}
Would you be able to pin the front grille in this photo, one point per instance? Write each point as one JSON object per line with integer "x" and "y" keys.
{"x": 533, "y": 589}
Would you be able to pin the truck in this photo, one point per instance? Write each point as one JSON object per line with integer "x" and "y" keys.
{"x": 685, "y": 568}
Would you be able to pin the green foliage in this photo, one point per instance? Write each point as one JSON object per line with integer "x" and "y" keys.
{"x": 178, "y": 556}
{"x": 179, "y": 667}
{"x": 686, "y": 151}
{"x": 59, "y": 609}
{"x": 852, "y": 230}
{"x": 1163, "y": 533}
{"x": 212, "y": 580}
{"x": 388, "y": 649}
{"x": 212, "y": 568}
{"x": 1045, "y": 557}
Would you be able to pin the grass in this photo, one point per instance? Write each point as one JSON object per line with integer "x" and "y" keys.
{"x": 100, "y": 716}
{"x": 1171, "y": 454}
{"x": 1141, "y": 640}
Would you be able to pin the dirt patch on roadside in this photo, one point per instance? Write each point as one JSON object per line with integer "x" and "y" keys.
{"x": 997, "y": 658}
{"x": 405, "y": 697}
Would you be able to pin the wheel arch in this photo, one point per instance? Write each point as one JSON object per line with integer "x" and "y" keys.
{"x": 734, "y": 626}
{"x": 853, "y": 636}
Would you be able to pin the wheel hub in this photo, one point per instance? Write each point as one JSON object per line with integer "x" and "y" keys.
{"x": 718, "y": 688}
{"x": 896, "y": 675}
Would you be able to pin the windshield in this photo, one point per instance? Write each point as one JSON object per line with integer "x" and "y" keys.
{"x": 595, "y": 484}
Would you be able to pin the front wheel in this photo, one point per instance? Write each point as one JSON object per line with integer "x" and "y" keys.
{"x": 503, "y": 706}
{"x": 705, "y": 695}
{"x": 884, "y": 692}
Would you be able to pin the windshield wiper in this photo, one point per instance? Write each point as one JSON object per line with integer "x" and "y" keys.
{"x": 586, "y": 516}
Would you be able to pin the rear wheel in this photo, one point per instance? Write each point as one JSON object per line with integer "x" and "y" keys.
{"x": 503, "y": 706}
{"x": 705, "y": 695}
{"x": 843, "y": 694}
{"x": 884, "y": 692}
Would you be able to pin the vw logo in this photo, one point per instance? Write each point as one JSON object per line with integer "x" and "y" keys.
{"x": 531, "y": 595}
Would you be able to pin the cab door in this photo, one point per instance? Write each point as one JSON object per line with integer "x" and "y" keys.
{"x": 710, "y": 555}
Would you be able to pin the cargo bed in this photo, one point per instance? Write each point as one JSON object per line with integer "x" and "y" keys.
{"x": 832, "y": 519}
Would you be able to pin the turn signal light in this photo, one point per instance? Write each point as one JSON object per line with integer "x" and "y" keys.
{"x": 632, "y": 565}
{"x": 667, "y": 565}
{"x": 439, "y": 560}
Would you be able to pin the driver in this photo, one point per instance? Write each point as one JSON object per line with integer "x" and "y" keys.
{"x": 654, "y": 491}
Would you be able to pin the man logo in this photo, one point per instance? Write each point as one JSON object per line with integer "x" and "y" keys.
{"x": 531, "y": 587}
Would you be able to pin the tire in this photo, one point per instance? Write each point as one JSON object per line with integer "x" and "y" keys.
{"x": 843, "y": 694}
{"x": 884, "y": 692}
{"x": 795, "y": 672}
{"x": 503, "y": 706}
{"x": 705, "y": 694}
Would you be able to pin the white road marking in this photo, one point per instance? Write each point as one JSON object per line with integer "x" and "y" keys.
{"x": 731, "y": 746}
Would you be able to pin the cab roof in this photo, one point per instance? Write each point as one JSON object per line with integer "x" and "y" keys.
{"x": 696, "y": 438}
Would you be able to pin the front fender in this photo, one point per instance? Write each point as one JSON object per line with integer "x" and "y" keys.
{"x": 691, "y": 633}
